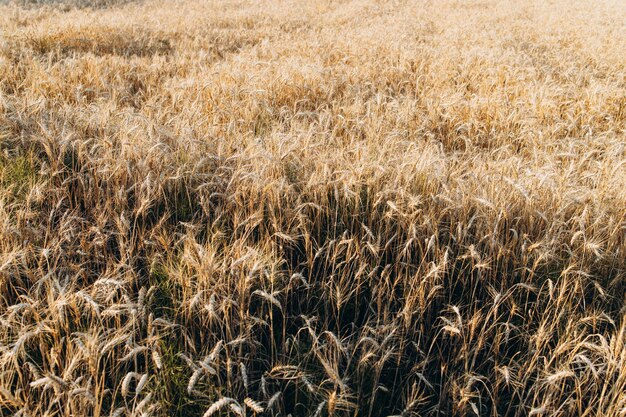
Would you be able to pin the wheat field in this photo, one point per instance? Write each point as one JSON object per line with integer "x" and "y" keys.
{"x": 313, "y": 208}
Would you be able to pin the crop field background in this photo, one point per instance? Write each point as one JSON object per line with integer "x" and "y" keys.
{"x": 313, "y": 208}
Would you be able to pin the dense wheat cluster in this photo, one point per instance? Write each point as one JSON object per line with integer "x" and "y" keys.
{"x": 313, "y": 208}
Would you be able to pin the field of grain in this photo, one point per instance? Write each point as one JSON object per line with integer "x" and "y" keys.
{"x": 313, "y": 208}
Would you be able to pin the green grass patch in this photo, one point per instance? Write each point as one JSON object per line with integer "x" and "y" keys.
{"x": 18, "y": 175}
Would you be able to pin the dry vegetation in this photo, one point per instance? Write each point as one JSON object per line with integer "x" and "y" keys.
{"x": 320, "y": 208}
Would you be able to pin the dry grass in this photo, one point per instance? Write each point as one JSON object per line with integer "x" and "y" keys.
{"x": 326, "y": 208}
